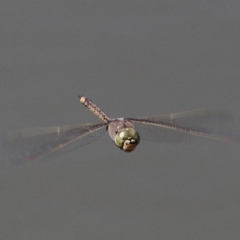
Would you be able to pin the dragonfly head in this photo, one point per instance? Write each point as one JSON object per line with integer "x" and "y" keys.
{"x": 127, "y": 139}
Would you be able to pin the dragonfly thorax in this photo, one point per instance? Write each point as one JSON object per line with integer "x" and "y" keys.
{"x": 124, "y": 135}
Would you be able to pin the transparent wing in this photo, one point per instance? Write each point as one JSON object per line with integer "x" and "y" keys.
{"x": 174, "y": 128}
{"x": 30, "y": 144}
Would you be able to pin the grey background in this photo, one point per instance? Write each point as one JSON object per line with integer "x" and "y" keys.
{"x": 133, "y": 58}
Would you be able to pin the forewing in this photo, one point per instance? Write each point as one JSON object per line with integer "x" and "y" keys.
{"x": 30, "y": 144}
{"x": 178, "y": 127}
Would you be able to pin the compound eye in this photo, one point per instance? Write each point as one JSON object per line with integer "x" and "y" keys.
{"x": 127, "y": 138}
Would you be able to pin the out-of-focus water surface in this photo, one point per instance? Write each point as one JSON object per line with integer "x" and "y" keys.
{"x": 133, "y": 58}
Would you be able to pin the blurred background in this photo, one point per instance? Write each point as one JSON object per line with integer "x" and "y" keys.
{"x": 132, "y": 58}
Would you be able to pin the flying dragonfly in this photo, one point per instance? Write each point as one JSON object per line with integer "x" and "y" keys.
{"x": 34, "y": 143}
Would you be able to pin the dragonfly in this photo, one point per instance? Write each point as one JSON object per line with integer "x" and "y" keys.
{"x": 34, "y": 143}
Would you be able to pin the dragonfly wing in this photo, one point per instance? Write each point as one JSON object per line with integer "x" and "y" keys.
{"x": 30, "y": 144}
{"x": 200, "y": 118}
{"x": 178, "y": 127}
